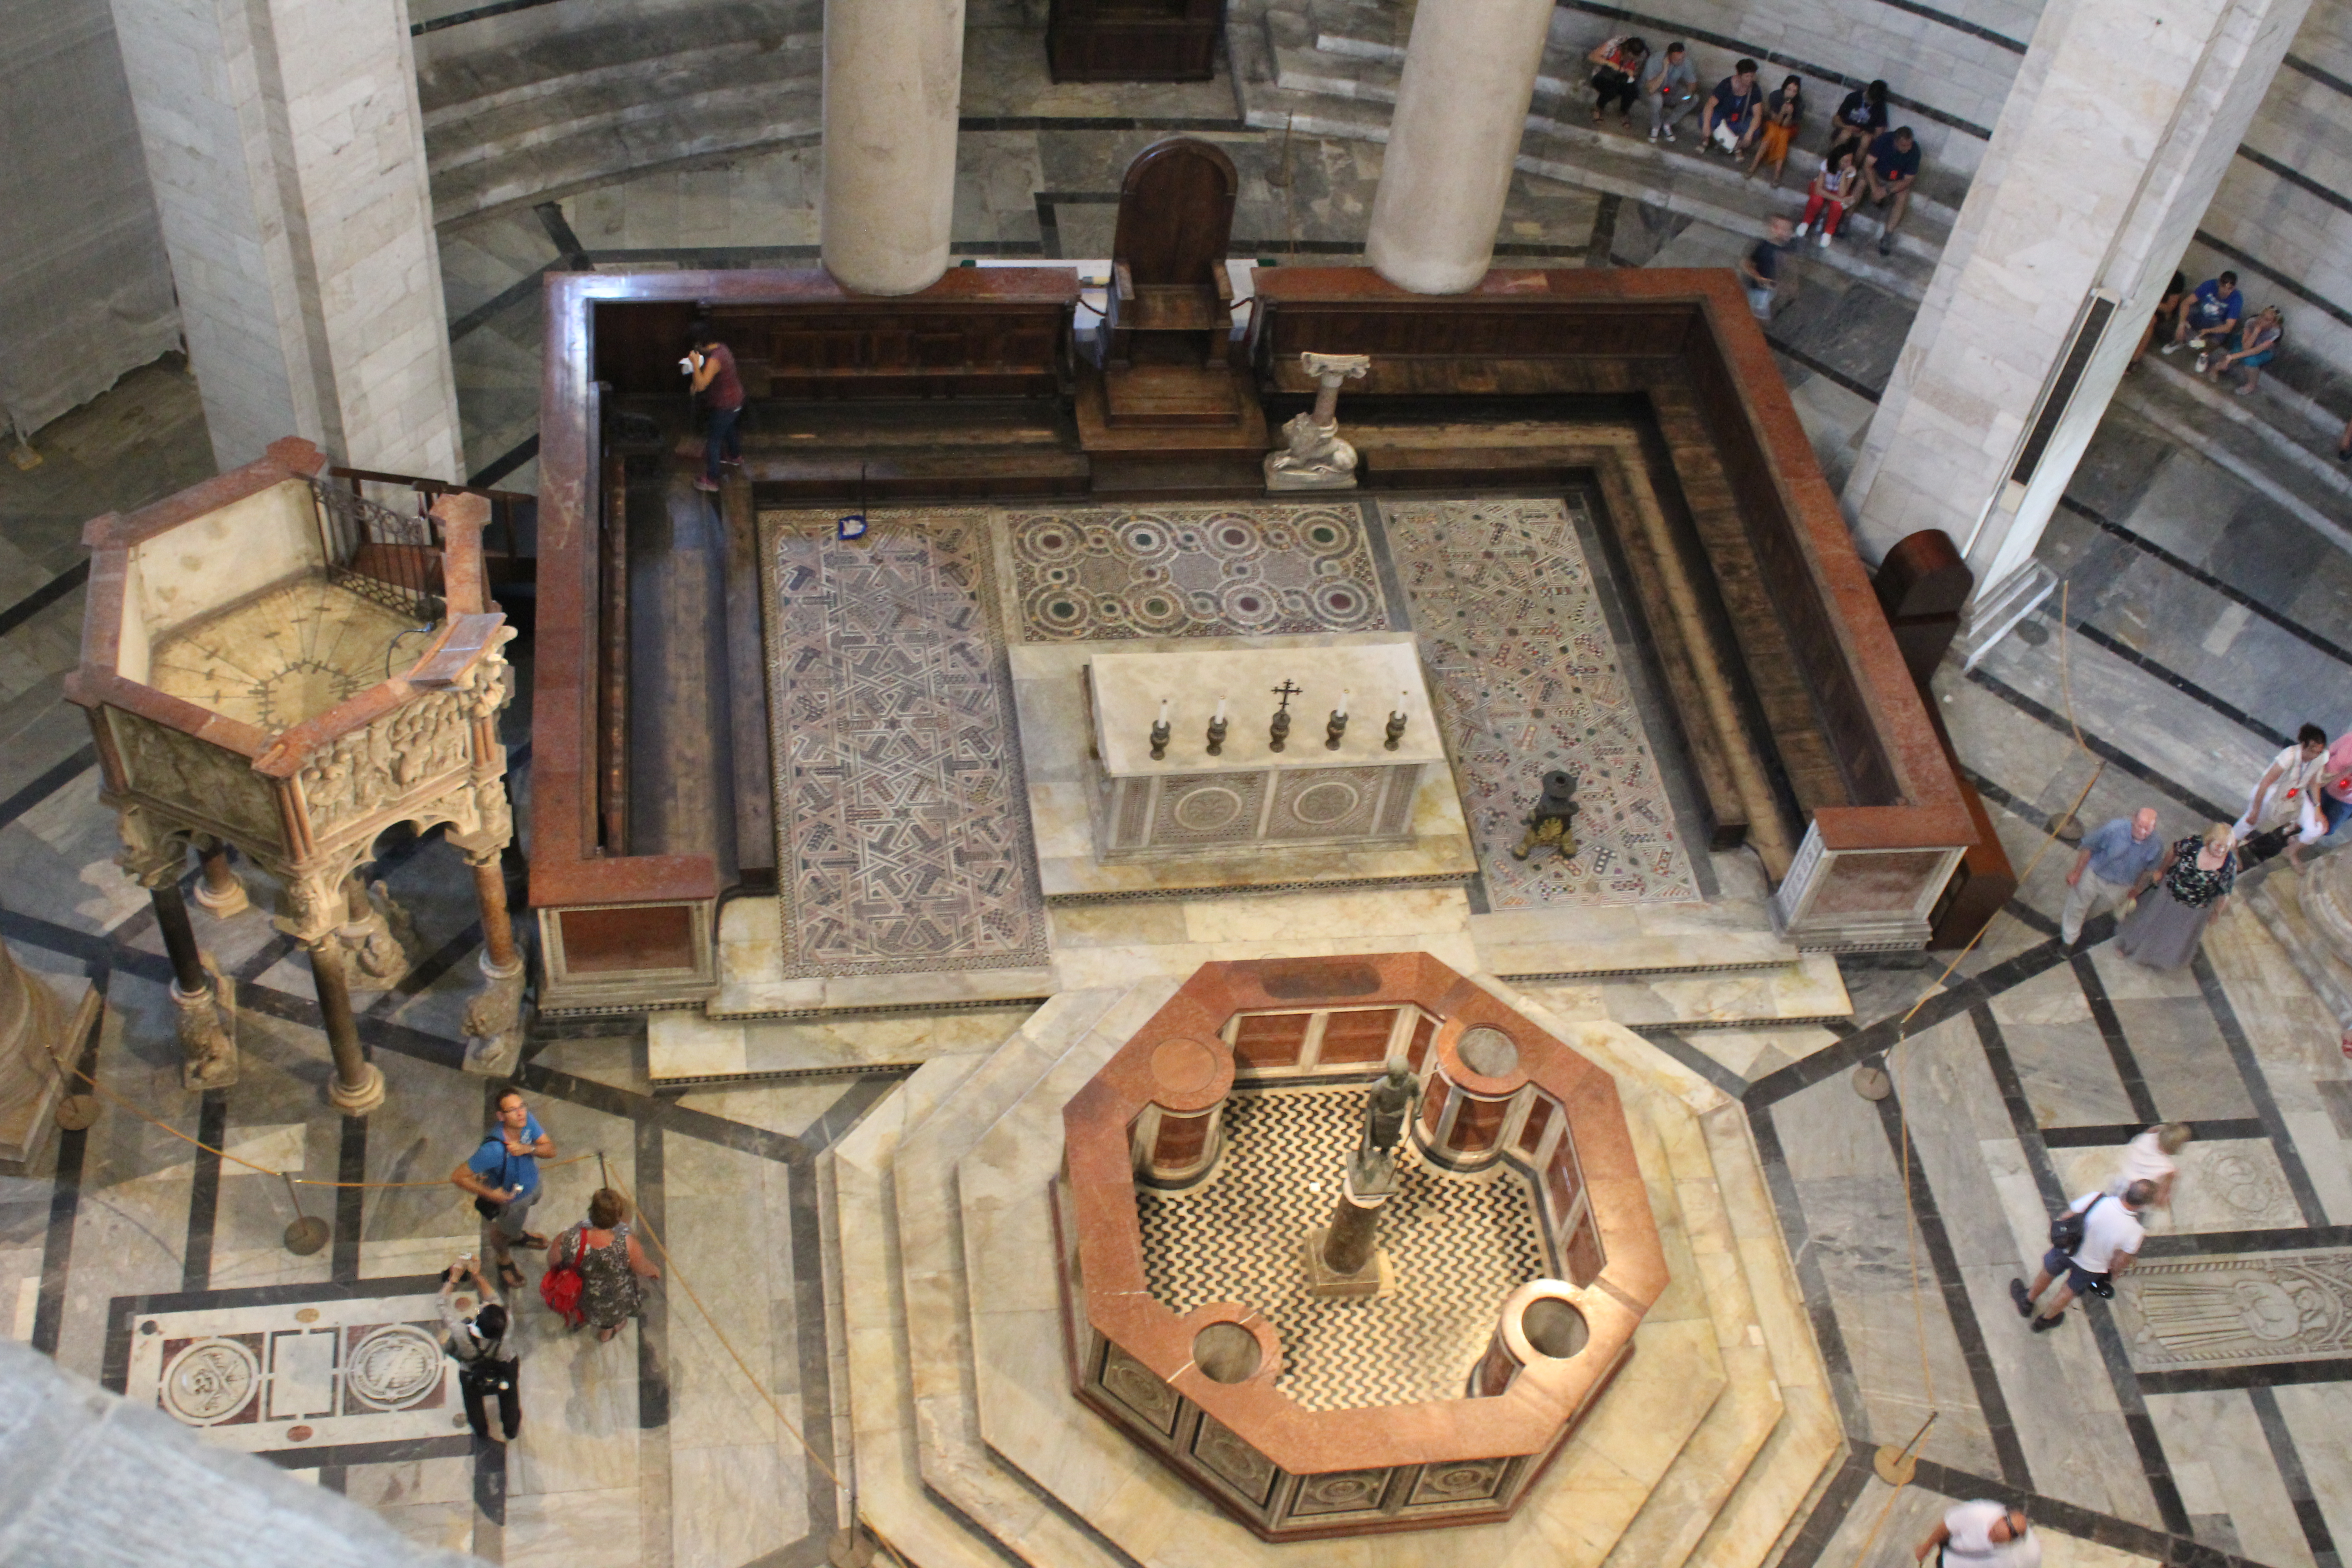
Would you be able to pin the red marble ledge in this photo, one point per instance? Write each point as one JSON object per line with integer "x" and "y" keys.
{"x": 290, "y": 458}
{"x": 465, "y": 588}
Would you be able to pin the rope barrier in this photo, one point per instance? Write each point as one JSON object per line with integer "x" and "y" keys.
{"x": 1901, "y": 1464}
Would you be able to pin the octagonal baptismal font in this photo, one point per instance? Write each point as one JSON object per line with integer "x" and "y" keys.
{"x": 1327, "y": 1327}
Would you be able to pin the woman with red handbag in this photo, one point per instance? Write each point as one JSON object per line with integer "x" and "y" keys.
{"x": 602, "y": 1262}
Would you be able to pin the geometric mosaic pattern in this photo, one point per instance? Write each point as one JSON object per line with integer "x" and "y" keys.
{"x": 1527, "y": 680}
{"x": 902, "y": 825}
{"x": 1093, "y": 574}
{"x": 1460, "y": 1247}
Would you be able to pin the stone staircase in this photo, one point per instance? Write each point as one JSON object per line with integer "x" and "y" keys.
{"x": 528, "y": 105}
{"x": 968, "y": 1448}
{"x": 1330, "y": 67}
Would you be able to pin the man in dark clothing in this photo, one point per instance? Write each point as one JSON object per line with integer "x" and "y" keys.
{"x": 1730, "y": 116}
{"x": 1759, "y": 269}
{"x": 1889, "y": 169}
{"x": 487, "y": 1369}
{"x": 1859, "y": 119}
{"x": 712, "y": 367}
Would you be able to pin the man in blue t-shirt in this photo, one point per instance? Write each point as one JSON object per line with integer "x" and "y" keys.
{"x": 2117, "y": 861}
{"x": 1889, "y": 169}
{"x": 2213, "y": 313}
{"x": 502, "y": 1175}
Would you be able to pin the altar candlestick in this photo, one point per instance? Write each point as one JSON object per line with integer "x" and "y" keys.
{"x": 1342, "y": 709}
{"x": 1164, "y": 710}
{"x": 1219, "y": 716}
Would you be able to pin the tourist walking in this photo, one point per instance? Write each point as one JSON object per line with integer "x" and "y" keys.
{"x": 2148, "y": 1157}
{"x": 710, "y": 370}
{"x": 603, "y": 1247}
{"x": 1759, "y": 269}
{"x": 502, "y": 1174}
{"x": 1983, "y": 1534}
{"x": 2090, "y": 1244}
{"x": 2192, "y": 886}
{"x": 477, "y": 1342}
{"x": 2117, "y": 859}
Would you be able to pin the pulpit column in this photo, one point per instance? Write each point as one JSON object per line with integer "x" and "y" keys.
{"x": 893, "y": 83}
{"x": 1469, "y": 75}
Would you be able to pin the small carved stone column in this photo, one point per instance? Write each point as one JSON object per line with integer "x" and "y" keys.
{"x": 358, "y": 1085}
{"x": 494, "y": 1018}
{"x": 207, "y": 1013}
{"x": 1340, "y": 1258}
{"x": 1314, "y": 457}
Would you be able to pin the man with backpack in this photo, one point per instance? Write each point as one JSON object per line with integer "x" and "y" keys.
{"x": 486, "y": 1369}
{"x": 2090, "y": 1244}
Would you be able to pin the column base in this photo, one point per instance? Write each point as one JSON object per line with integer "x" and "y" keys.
{"x": 494, "y": 1021}
{"x": 207, "y": 1030}
{"x": 227, "y": 899}
{"x": 1994, "y": 613}
{"x": 360, "y": 1099}
{"x": 1376, "y": 1278}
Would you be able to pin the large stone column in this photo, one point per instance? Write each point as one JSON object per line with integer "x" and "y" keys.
{"x": 288, "y": 157}
{"x": 1469, "y": 75}
{"x": 2123, "y": 119}
{"x": 893, "y": 82}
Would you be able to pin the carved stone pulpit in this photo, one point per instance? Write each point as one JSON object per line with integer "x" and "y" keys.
{"x": 276, "y": 664}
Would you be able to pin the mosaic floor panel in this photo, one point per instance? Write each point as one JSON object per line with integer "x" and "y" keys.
{"x": 1527, "y": 679}
{"x": 2238, "y": 1310}
{"x": 1092, "y": 573}
{"x": 1460, "y": 1247}
{"x": 263, "y": 1379}
{"x": 902, "y": 824}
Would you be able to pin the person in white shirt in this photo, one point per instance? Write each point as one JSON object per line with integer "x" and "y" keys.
{"x": 2111, "y": 1238}
{"x": 1983, "y": 1534}
{"x": 2288, "y": 791}
{"x": 2148, "y": 1158}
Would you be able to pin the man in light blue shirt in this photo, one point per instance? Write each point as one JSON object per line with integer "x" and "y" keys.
{"x": 1671, "y": 88}
{"x": 2118, "y": 860}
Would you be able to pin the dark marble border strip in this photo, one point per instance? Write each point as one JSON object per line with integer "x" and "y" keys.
{"x": 2197, "y": 575}
{"x": 1672, "y": 1042}
{"x": 2258, "y": 1089}
{"x": 64, "y": 1204}
{"x": 2296, "y": 178}
{"x": 2269, "y": 1374}
{"x": 2111, "y": 1030}
{"x": 490, "y": 1541}
{"x": 1807, "y": 69}
{"x": 500, "y": 467}
{"x": 2182, "y": 684}
{"x": 1821, "y": 1311}
{"x": 344, "y": 1456}
{"x": 505, "y": 299}
{"x": 1937, "y": 1241}
{"x": 2324, "y": 78}
{"x": 203, "y": 1192}
{"x": 479, "y": 14}
{"x": 335, "y": 1478}
{"x": 806, "y": 1230}
{"x": 1828, "y": 1512}
{"x": 1601, "y": 250}
{"x": 567, "y": 244}
{"x": 2101, "y": 1136}
{"x": 630, "y": 1106}
{"x": 287, "y": 1295}
{"x": 2318, "y": 301}
{"x": 2289, "y": 1460}
{"x": 42, "y": 597}
{"x": 2216, "y": 1243}
{"x": 2106, "y": 749}
{"x": 51, "y": 780}
{"x": 1096, "y": 122}
{"x": 2169, "y": 1546}
{"x": 351, "y": 1208}
{"x": 1827, "y": 372}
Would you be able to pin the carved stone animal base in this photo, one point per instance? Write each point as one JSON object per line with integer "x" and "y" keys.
{"x": 1317, "y": 479}
{"x": 207, "y": 1029}
{"x": 379, "y": 950}
{"x": 494, "y": 1022}
{"x": 1376, "y": 1278}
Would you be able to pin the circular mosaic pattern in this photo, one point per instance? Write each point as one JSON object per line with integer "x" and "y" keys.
{"x": 1321, "y": 805}
{"x": 1206, "y": 809}
{"x": 210, "y": 1382}
{"x": 394, "y": 1367}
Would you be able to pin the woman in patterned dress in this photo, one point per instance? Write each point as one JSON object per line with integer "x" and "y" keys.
{"x": 604, "y": 1249}
{"x": 2192, "y": 886}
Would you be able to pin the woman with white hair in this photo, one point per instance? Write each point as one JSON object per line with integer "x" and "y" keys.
{"x": 2192, "y": 886}
{"x": 2149, "y": 1158}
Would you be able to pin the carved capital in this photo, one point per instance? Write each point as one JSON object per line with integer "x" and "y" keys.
{"x": 153, "y": 854}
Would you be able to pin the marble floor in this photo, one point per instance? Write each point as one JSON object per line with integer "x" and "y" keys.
{"x": 2189, "y": 1421}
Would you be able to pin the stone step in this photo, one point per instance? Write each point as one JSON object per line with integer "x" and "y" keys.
{"x": 874, "y": 1404}
{"x": 689, "y": 1047}
{"x": 552, "y": 137}
{"x": 1731, "y": 932}
{"x": 1809, "y": 990}
{"x": 950, "y": 1453}
{"x": 2277, "y": 902}
{"x": 501, "y": 59}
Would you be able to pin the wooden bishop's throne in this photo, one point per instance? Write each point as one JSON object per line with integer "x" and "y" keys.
{"x": 1172, "y": 395}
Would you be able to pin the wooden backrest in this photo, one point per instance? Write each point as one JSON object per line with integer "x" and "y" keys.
{"x": 1175, "y": 212}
